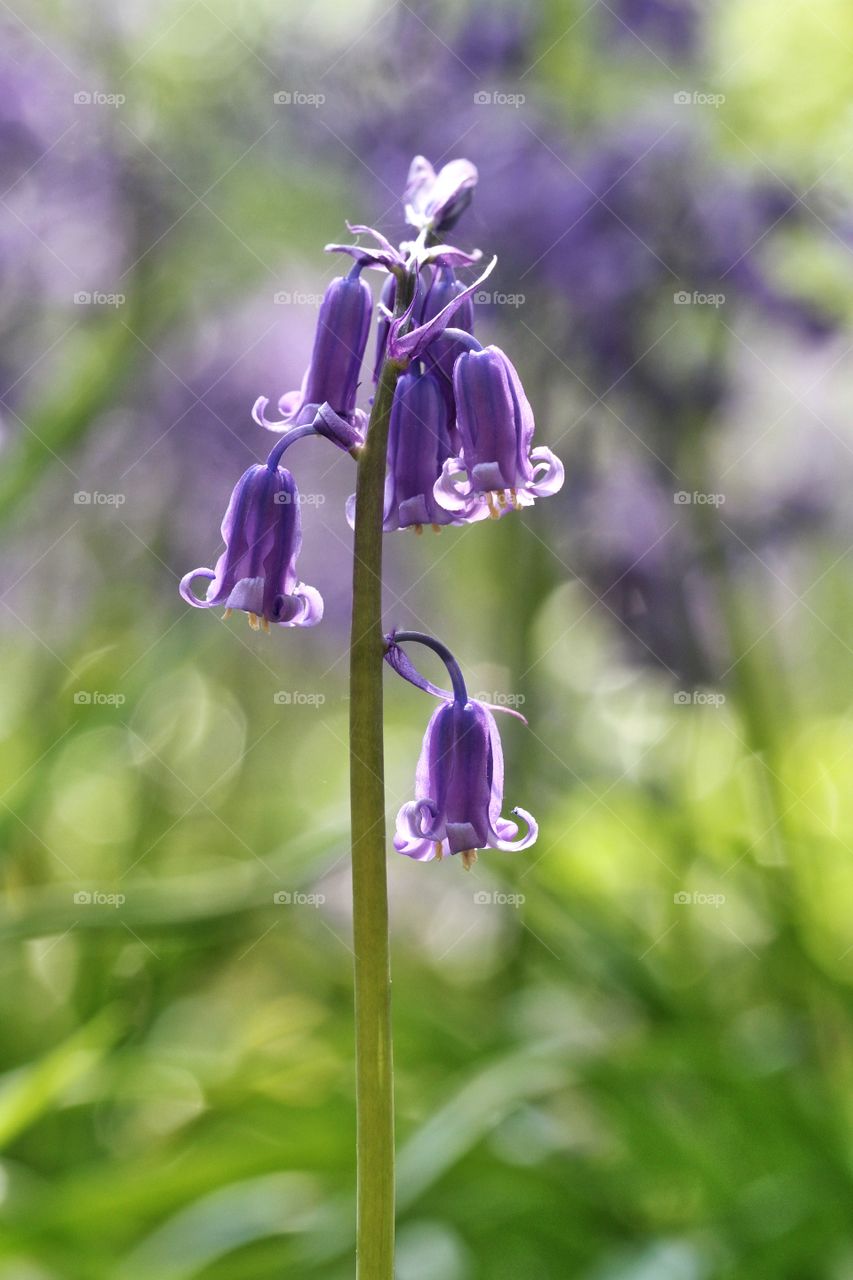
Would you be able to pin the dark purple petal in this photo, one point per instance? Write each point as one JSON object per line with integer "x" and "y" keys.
{"x": 411, "y": 345}
{"x": 256, "y": 572}
{"x": 418, "y": 444}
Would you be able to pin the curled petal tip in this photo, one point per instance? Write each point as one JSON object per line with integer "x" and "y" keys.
{"x": 186, "y": 591}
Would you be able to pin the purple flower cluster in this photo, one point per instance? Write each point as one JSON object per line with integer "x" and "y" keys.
{"x": 460, "y": 450}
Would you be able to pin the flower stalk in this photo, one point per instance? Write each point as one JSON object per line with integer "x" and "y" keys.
{"x": 374, "y": 1065}
{"x": 444, "y": 407}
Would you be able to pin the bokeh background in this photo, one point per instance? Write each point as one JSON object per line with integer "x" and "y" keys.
{"x": 627, "y": 1053}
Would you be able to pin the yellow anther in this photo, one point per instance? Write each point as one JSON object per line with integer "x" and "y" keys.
{"x": 469, "y": 857}
{"x": 227, "y": 614}
{"x": 502, "y": 497}
{"x": 265, "y": 623}
{"x": 436, "y": 528}
{"x": 418, "y": 528}
{"x": 493, "y": 511}
{"x": 253, "y": 622}
{"x": 438, "y": 851}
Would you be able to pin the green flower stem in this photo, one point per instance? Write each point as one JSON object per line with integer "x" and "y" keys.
{"x": 374, "y": 1066}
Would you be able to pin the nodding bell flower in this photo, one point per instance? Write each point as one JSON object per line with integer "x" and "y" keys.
{"x": 435, "y": 201}
{"x": 495, "y": 424}
{"x": 262, "y": 532}
{"x": 443, "y": 352}
{"x": 418, "y": 443}
{"x": 460, "y": 774}
{"x": 332, "y": 377}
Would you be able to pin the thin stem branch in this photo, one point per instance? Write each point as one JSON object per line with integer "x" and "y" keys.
{"x": 374, "y": 1065}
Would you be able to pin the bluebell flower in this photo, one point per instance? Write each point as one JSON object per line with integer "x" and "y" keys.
{"x": 332, "y": 377}
{"x": 495, "y": 424}
{"x": 418, "y": 444}
{"x": 442, "y": 354}
{"x": 262, "y": 532}
{"x": 460, "y": 775}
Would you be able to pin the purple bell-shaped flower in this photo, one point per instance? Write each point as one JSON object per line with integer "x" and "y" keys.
{"x": 495, "y": 424}
{"x": 460, "y": 775}
{"x": 262, "y": 531}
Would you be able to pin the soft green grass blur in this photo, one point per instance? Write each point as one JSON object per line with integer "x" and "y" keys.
{"x": 595, "y": 1078}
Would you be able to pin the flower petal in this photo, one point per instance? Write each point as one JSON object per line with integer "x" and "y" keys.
{"x": 549, "y": 472}
{"x": 413, "y": 343}
{"x": 514, "y": 846}
{"x": 187, "y": 592}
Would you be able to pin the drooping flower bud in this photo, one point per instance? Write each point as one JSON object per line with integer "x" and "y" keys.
{"x": 435, "y": 201}
{"x": 442, "y": 354}
{"x": 332, "y": 377}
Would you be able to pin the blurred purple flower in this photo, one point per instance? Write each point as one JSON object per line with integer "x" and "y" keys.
{"x": 671, "y": 25}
